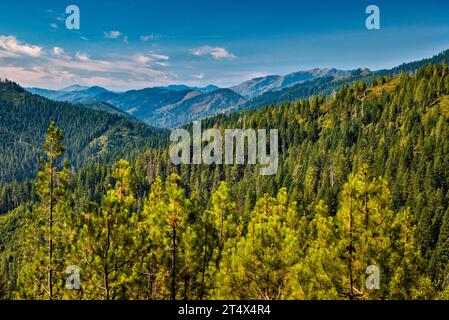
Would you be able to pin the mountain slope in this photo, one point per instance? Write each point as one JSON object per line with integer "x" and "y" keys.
{"x": 415, "y": 65}
{"x": 258, "y": 86}
{"x": 334, "y": 80}
{"x": 182, "y": 87}
{"x": 177, "y": 105}
{"x": 81, "y": 96}
{"x": 89, "y": 134}
{"x": 104, "y": 106}
{"x": 196, "y": 107}
{"x": 144, "y": 103}
{"x": 166, "y": 108}
{"x": 318, "y": 86}
{"x": 73, "y": 94}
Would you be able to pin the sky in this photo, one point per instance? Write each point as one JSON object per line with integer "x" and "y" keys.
{"x": 134, "y": 44}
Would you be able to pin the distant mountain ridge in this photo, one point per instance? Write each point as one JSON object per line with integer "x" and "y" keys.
{"x": 195, "y": 107}
{"x": 73, "y": 94}
{"x": 177, "y": 105}
{"x": 258, "y": 86}
{"x": 90, "y": 133}
{"x": 181, "y": 87}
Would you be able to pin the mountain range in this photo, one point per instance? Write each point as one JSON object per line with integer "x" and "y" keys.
{"x": 177, "y": 105}
{"x": 90, "y": 134}
{"x": 373, "y": 154}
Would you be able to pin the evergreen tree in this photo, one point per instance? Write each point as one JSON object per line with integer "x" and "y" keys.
{"x": 43, "y": 237}
{"x": 259, "y": 265}
{"x": 108, "y": 243}
{"x": 167, "y": 213}
{"x": 220, "y": 223}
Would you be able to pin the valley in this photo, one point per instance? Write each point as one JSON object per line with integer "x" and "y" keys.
{"x": 361, "y": 180}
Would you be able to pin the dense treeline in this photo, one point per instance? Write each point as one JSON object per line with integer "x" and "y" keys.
{"x": 362, "y": 182}
{"x": 90, "y": 135}
{"x": 328, "y": 85}
{"x": 14, "y": 194}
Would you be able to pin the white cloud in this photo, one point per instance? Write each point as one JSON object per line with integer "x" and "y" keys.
{"x": 149, "y": 37}
{"x": 36, "y": 75}
{"x": 82, "y": 56}
{"x": 57, "y": 51}
{"x": 10, "y": 46}
{"x": 112, "y": 34}
{"x": 159, "y": 56}
{"x": 216, "y": 53}
{"x": 55, "y": 67}
{"x": 54, "y": 25}
{"x": 146, "y": 59}
{"x": 140, "y": 58}
{"x": 199, "y": 76}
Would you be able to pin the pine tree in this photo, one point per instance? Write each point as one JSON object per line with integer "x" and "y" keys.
{"x": 220, "y": 223}
{"x": 43, "y": 239}
{"x": 3, "y": 284}
{"x": 259, "y": 265}
{"x": 166, "y": 212}
{"x": 365, "y": 232}
{"x": 108, "y": 243}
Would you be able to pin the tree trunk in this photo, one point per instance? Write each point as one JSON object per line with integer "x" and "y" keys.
{"x": 50, "y": 239}
{"x": 204, "y": 264}
{"x": 106, "y": 267}
{"x": 173, "y": 279}
{"x": 351, "y": 280}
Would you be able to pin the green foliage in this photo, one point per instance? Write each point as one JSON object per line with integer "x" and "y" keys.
{"x": 89, "y": 135}
{"x": 362, "y": 181}
{"x": 107, "y": 244}
{"x": 45, "y": 228}
{"x": 365, "y": 232}
{"x": 259, "y": 265}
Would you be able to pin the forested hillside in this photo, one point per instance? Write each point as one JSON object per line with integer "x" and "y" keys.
{"x": 327, "y": 85}
{"x": 362, "y": 181}
{"x": 89, "y": 135}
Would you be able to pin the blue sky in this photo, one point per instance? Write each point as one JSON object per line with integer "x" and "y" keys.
{"x": 135, "y": 44}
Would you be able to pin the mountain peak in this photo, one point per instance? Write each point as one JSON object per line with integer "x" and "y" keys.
{"x": 182, "y": 87}
{"x": 73, "y": 88}
{"x": 260, "y": 85}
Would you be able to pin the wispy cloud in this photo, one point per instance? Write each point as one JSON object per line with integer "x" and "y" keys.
{"x": 10, "y": 46}
{"x": 216, "y": 53}
{"x": 54, "y": 25}
{"x": 82, "y": 57}
{"x": 32, "y": 65}
{"x": 59, "y": 52}
{"x": 152, "y": 58}
{"x": 149, "y": 37}
{"x": 112, "y": 34}
{"x": 199, "y": 76}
